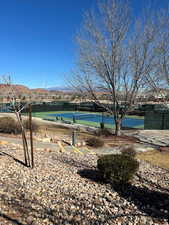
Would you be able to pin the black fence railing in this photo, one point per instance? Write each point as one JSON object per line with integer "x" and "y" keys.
{"x": 66, "y": 106}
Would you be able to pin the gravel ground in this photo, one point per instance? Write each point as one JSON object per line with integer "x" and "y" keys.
{"x": 63, "y": 188}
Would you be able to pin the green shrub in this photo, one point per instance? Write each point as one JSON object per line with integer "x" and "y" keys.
{"x": 35, "y": 126}
{"x": 95, "y": 142}
{"x": 117, "y": 169}
{"x": 9, "y": 125}
{"x": 129, "y": 151}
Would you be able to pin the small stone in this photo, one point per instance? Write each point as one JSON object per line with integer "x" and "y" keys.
{"x": 143, "y": 220}
{"x": 30, "y": 220}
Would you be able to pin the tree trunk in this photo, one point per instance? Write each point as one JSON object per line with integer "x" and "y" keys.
{"x": 117, "y": 127}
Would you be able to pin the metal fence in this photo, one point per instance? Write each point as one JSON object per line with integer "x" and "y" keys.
{"x": 66, "y": 106}
{"x": 156, "y": 120}
{"x": 4, "y": 107}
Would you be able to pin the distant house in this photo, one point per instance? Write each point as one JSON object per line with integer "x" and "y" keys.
{"x": 153, "y": 95}
{"x": 162, "y": 93}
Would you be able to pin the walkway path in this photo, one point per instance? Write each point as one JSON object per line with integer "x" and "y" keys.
{"x": 158, "y": 138}
{"x": 82, "y": 150}
{"x": 46, "y": 145}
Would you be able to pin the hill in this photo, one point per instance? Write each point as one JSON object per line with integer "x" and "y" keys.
{"x": 39, "y": 90}
{"x": 19, "y": 89}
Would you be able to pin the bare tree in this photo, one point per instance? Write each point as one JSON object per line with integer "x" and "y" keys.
{"x": 17, "y": 108}
{"x": 158, "y": 81}
{"x": 116, "y": 53}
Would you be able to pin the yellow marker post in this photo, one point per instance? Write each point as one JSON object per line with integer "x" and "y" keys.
{"x": 91, "y": 152}
{"x": 76, "y": 150}
{"x": 61, "y": 146}
{"x": 3, "y": 142}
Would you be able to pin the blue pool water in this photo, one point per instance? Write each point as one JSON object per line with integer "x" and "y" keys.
{"x": 127, "y": 122}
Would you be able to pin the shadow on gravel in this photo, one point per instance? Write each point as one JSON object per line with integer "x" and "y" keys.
{"x": 15, "y": 159}
{"x": 152, "y": 203}
{"x": 153, "y": 184}
{"x": 91, "y": 174}
{"x": 13, "y": 221}
{"x": 73, "y": 162}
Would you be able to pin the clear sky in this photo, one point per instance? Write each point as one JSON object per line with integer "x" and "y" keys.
{"x": 37, "y": 38}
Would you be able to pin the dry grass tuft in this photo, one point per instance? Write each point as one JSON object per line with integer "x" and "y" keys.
{"x": 157, "y": 158}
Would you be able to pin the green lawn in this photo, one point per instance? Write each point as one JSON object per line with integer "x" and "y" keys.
{"x": 46, "y": 115}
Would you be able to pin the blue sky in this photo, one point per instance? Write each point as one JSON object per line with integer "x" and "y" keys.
{"x": 37, "y": 43}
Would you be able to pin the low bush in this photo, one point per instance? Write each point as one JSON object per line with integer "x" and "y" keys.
{"x": 9, "y": 125}
{"x": 105, "y": 132}
{"x": 35, "y": 126}
{"x": 117, "y": 169}
{"x": 129, "y": 151}
{"x": 95, "y": 142}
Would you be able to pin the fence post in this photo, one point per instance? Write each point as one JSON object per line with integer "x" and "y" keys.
{"x": 102, "y": 122}
{"x": 73, "y": 138}
{"x": 74, "y": 120}
{"x": 31, "y": 135}
{"x": 163, "y": 121}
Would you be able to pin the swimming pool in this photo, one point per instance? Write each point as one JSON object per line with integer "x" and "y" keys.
{"x": 98, "y": 118}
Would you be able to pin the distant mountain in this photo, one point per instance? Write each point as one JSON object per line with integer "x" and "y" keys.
{"x": 19, "y": 89}
{"x": 39, "y": 90}
{"x": 64, "y": 89}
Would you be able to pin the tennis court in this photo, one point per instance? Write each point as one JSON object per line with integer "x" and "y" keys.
{"x": 96, "y": 119}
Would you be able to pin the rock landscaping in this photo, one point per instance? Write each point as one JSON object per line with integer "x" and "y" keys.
{"x": 65, "y": 188}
